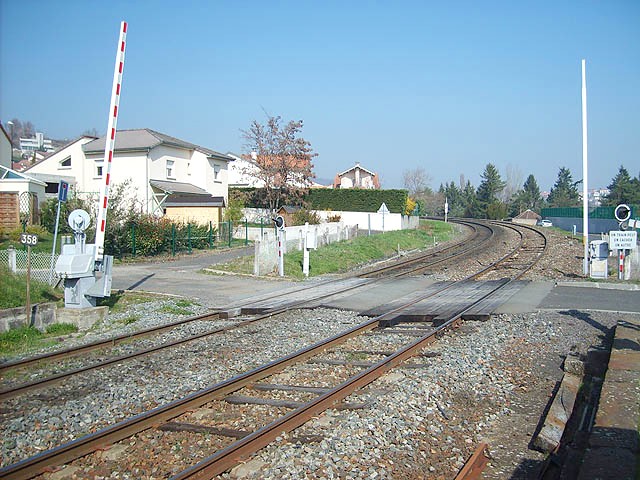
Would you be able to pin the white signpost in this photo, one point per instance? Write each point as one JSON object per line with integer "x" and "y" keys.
{"x": 383, "y": 210}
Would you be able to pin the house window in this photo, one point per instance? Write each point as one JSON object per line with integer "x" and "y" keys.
{"x": 66, "y": 163}
{"x": 188, "y": 168}
{"x": 170, "y": 172}
{"x": 216, "y": 173}
{"x": 99, "y": 171}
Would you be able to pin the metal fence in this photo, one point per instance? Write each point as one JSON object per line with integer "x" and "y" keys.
{"x": 182, "y": 238}
{"x": 16, "y": 260}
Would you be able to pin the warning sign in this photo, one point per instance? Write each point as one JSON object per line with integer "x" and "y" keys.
{"x": 619, "y": 240}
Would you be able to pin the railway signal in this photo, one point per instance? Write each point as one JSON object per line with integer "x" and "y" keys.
{"x": 279, "y": 222}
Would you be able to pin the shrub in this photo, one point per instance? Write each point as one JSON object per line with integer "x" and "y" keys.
{"x": 303, "y": 216}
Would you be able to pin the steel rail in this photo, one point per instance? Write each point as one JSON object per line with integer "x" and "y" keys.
{"x": 55, "y": 379}
{"x": 474, "y": 466}
{"x": 32, "y": 466}
{"x": 468, "y": 245}
{"x": 110, "y": 342}
{"x": 63, "y": 354}
{"x": 229, "y": 456}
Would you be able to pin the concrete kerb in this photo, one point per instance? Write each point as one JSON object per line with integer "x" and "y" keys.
{"x": 603, "y": 285}
{"x": 45, "y": 314}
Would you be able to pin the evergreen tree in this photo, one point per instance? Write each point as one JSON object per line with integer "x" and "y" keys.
{"x": 453, "y": 195}
{"x": 488, "y": 191}
{"x": 527, "y": 198}
{"x": 564, "y": 192}
{"x": 623, "y": 189}
{"x": 469, "y": 199}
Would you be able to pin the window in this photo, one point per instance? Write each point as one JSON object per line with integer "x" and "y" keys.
{"x": 99, "y": 171}
{"x": 188, "y": 168}
{"x": 66, "y": 163}
{"x": 216, "y": 173}
{"x": 170, "y": 172}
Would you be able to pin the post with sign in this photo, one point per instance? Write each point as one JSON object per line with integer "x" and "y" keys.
{"x": 279, "y": 224}
{"x": 383, "y": 210}
{"x": 29, "y": 240}
{"x": 63, "y": 192}
{"x": 623, "y": 240}
{"x": 446, "y": 209}
{"x": 310, "y": 242}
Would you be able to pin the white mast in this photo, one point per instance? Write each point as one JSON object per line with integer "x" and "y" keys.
{"x": 585, "y": 175}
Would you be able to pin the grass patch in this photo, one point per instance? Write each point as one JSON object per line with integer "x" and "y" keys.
{"x": 13, "y": 290}
{"x": 184, "y": 303}
{"x": 130, "y": 319}
{"x": 61, "y": 328}
{"x": 24, "y": 339}
{"x": 175, "y": 310}
{"x": 345, "y": 255}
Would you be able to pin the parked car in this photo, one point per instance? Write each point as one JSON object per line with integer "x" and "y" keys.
{"x": 545, "y": 223}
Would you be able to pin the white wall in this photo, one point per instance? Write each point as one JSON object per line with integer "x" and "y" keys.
{"x": 373, "y": 221}
{"x": 80, "y": 168}
{"x": 5, "y": 151}
{"x": 239, "y": 173}
{"x": 20, "y": 185}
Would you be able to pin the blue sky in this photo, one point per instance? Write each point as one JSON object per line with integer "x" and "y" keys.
{"x": 445, "y": 86}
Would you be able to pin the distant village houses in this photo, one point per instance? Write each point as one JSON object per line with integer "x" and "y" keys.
{"x": 357, "y": 177}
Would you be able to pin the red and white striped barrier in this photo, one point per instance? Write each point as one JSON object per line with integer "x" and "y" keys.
{"x": 110, "y": 142}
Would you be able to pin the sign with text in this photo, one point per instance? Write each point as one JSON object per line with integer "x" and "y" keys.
{"x": 63, "y": 191}
{"x": 28, "y": 239}
{"x": 619, "y": 240}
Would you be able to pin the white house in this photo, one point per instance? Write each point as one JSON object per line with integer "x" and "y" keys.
{"x": 357, "y": 177}
{"x": 67, "y": 163}
{"x": 168, "y": 176}
{"x": 20, "y": 198}
{"x": 5, "y": 148}
{"x": 243, "y": 174}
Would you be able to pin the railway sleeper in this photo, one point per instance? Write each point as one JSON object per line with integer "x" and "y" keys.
{"x": 227, "y": 432}
{"x": 247, "y": 400}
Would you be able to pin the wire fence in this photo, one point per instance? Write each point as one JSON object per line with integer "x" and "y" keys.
{"x": 16, "y": 261}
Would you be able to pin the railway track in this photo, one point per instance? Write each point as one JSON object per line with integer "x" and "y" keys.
{"x": 227, "y": 454}
{"x": 404, "y": 267}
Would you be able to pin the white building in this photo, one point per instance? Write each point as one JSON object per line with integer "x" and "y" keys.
{"x": 357, "y": 177}
{"x": 5, "y": 148}
{"x": 243, "y": 173}
{"x": 37, "y": 143}
{"x": 167, "y": 176}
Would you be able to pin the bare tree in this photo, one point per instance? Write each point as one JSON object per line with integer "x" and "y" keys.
{"x": 19, "y": 129}
{"x": 280, "y": 158}
{"x": 514, "y": 179}
{"x": 415, "y": 180}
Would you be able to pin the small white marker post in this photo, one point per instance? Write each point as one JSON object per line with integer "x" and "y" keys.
{"x": 29, "y": 240}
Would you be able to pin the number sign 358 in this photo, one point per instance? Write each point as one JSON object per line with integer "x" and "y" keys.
{"x": 28, "y": 239}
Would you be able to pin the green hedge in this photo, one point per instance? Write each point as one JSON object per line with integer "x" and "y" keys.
{"x": 357, "y": 200}
{"x": 348, "y": 199}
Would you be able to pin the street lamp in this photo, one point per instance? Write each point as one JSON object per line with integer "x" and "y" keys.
{"x": 11, "y": 138}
